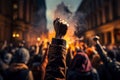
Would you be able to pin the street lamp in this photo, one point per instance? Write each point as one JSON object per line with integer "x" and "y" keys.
{"x": 38, "y": 39}
{"x": 15, "y": 35}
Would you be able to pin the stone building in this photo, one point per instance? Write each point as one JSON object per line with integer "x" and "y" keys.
{"x": 103, "y": 19}
{"x": 5, "y": 20}
{"x": 20, "y": 18}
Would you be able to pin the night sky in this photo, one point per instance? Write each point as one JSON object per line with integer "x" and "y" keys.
{"x": 51, "y": 6}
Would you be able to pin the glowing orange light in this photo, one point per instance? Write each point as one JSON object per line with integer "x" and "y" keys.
{"x": 17, "y": 35}
{"x": 38, "y": 39}
{"x": 13, "y": 35}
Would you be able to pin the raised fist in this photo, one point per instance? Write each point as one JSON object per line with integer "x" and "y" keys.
{"x": 60, "y": 27}
{"x": 96, "y": 39}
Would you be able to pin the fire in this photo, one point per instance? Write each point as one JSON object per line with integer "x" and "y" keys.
{"x": 51, "y": 35}
{"x": 70, "y": 38}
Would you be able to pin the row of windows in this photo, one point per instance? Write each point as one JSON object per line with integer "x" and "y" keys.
{"x": 91, "y": 5}
{"x": 6, "y": 10}
{"x": 108, "y": 36}
{"x": 16, "y": 9}
{"x": 103, "y": 15}
{"x": 22, "y": 10}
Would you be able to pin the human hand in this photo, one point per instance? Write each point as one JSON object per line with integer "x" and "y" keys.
{"x": 60, "y": 27}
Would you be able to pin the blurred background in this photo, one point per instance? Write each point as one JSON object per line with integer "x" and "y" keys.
{"x": 32, "y": 20}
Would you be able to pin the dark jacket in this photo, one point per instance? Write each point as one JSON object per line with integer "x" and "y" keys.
{"x": 81, "y": 68}
{"x": 56, "y": 68}
{"x": 18, "y": 71}
{"x": 1, "y": 78}
{"x": 91, "y": 75}
{"x": 111, "y": 68}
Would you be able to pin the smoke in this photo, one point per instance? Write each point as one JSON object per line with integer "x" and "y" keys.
{"x": 81, "y": 24}
{"x": 76, "y": 23}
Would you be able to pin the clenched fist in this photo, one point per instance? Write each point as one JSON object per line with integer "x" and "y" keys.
{"x": 60, "y": 27}
{"x": 96, "y": 39}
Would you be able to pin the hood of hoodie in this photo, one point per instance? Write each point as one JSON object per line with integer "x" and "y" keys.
{"x": 21, "y": 56}
{"x": 81, "y": 63}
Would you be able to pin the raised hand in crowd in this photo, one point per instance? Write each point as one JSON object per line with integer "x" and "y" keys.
{"x": 56, "y": 68}
{"x": 60, "y": 27}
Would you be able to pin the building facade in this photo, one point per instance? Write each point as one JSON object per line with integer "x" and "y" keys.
{"x": 22, "y": 11}
{"x": 103, "y": 19}
{"x": 22, "y": 20}
{"x": 15, "y": 19}
{"x": 5, "y": 20}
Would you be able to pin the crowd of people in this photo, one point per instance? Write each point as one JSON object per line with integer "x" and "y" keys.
{"x": 56, "y": 62}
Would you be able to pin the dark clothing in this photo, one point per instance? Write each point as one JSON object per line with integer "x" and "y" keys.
{"x": 1, "y": 78}
{"x": 111, "y": 67}
{"x": 81, "y": 63}
{"x": 81, "y": 68}
{"x": 91, "y": 75}
{"x": 18, "y": 72}
{"x": 3, "y": 66}
{"x": 103, "y": 73}
{"x": 56, "y": 68}
{"x": 111, "y": 54}
{"x": 69, "y": 58}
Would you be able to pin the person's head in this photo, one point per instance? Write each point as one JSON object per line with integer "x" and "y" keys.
{"x": 60, "y": 27}
{"x": 81, "y": 63}
{"x": 21, "y": 56}
{"x": 6, "y": 57}
{"x": 21, "y": 43}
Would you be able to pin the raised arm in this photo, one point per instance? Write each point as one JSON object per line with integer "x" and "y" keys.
{"x": 100, "y": 50}
{"x": 56, "y": 68}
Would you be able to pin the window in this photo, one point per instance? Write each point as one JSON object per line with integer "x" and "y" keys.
{"x": 95, "y": 19}
{"x": 115, "y": 8}
{"x": 99, "y": 2}
{"x": 0, "y": 6}
{"x": 100, "y": 17}
{"x": 107, "y": 13}
{"x": 92, "y": 21}
{"x": 21, "y": 2}
{"x": 24, "y": 10}
{"x": 117, "y": 35}
{"x": 15, "y": 10}
{"x": 108, "y": 37}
